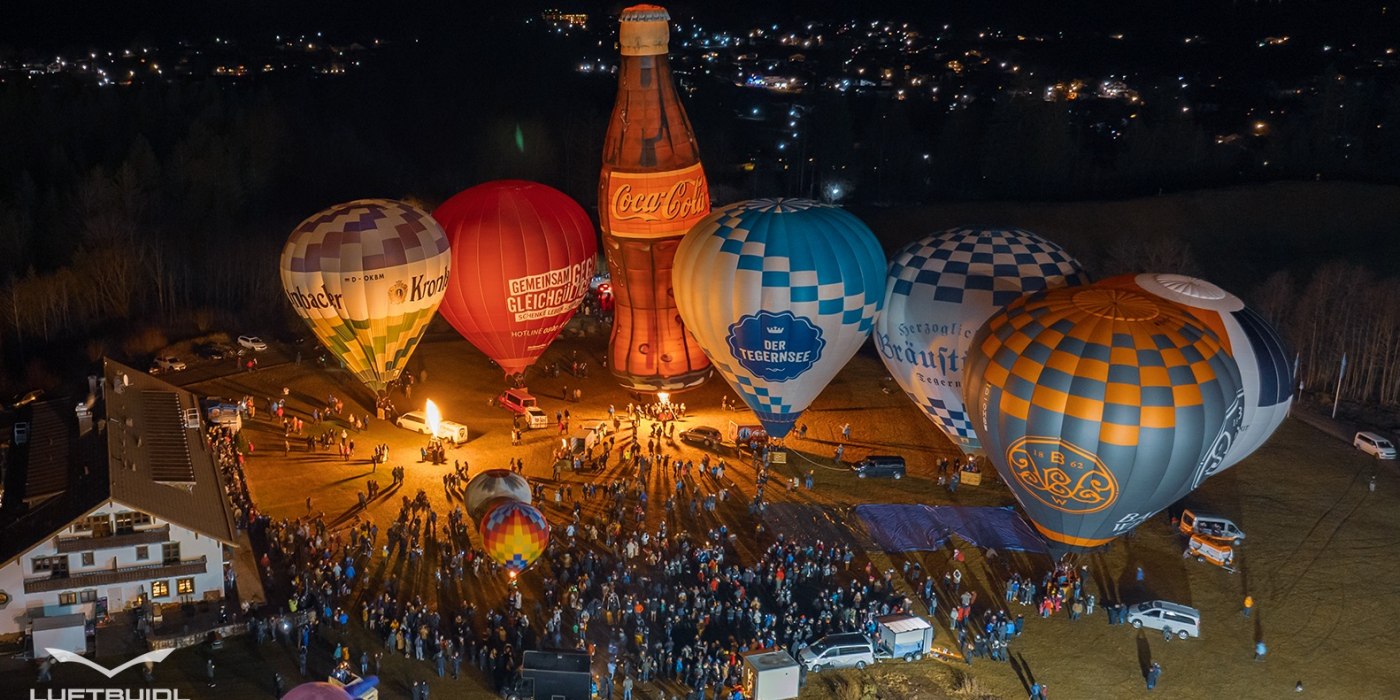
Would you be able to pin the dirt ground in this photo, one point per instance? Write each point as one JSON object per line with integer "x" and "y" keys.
{"x": 1322, "y": 558}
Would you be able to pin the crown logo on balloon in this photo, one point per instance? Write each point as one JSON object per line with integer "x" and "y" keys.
{"x": 775, "y": 330}
{"x": 398, "y": 293}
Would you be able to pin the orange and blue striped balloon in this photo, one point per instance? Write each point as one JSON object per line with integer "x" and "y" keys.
{"x": 1100, "y": 406}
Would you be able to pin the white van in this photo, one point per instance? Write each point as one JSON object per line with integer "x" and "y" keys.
{"x": 1374, "y": 445}
{"x": 1171, "y": 618}
{"x": 1212, "y": 526}
{"x": 417, "y": 421}
{"x": 848, "y": 650}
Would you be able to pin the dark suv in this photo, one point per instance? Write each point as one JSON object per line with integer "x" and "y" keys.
{"x": 880, "y": 465}
{"x": 702, "y": 435}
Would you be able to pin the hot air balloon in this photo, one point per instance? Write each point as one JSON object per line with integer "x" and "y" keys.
{"x": 939, "y": 291}
{"x": 1255, "y": 345}
{"x": 367, "y": 276}
{"x": 515, "y": 534}
{"x": 528, "y": 252}
{"x": 780, "y": 293}
{"x": 492, "y": 484}
{"x": 1100, "y": 406}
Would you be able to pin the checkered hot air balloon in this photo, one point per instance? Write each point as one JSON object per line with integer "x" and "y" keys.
{"x": 1255, "y": 345}
{"x": 515, "y": 534}
{"x": 1100, "y": 406}
{"x": 492, "y": 484}
{"x": 367, "y": 277}
{"x": 939, "y": 291}
{"x": 780, "y": 293}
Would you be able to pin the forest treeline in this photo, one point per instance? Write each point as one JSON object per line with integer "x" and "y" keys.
{"x": 166, "y": 205}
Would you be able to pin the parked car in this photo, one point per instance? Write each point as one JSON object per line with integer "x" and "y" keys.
{"x": 702, "y": 435}
{"x": 1212, "y": 526}
{"x": 216, "y": 351}
{"x": 169, "y": 363}
{"x": 1172, "y": 618}
{"x": 891, "y": 466}
{"x": 846, "y": 650}
{"x": 417, "y": 421}
{"x": 252, "y": 342}
{"x": 1374, "y": 445}
{"x": 524, "y": 406}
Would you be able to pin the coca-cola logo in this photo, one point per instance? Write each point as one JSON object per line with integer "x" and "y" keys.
{"x": 684, "y": 199}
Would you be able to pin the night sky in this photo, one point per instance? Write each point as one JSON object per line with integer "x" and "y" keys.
{"x": 54, "y": 26}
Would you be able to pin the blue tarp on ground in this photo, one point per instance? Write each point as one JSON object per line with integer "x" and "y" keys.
{"x": 913, "y": 528}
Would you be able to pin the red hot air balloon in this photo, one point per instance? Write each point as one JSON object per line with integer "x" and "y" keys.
{"x": 527, "y": 253}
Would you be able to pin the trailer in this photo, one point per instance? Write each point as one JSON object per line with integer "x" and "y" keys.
{"x": 903, "y": 636}
{"x": 771, "y": 675}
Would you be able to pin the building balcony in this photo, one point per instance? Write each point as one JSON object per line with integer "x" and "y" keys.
{"x": 119, "y": 574}
{"x": 68, "y": 545}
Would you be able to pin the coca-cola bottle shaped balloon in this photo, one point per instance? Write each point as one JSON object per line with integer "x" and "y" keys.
{"x": 652, "y": 190}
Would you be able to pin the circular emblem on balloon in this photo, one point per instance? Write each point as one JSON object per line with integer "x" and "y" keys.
{"x": 492, "y": 484}
{"x": 779, "y": 293}
{"x": 515, "y": 534}
{"x": 939, "y": 291}
{"x": 1100, "y": 406}
{"x": 1257, "y": 348}
{"x": 367, "y": 277}
{"x": 528, "y": 252}
{"x": 1062, "y": 476}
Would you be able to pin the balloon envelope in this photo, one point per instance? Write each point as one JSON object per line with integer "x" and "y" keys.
{"x": 491, "y": 484}
{"x": 1100, "y": 406}
{"x": 367, "y": 276}
{"x": 939, "y": 291}
{"x": 1248, "y": 337}
{"x": 780, "y": 293}
{"x": 515, "y": 534}
{"x": 526, "y": 252}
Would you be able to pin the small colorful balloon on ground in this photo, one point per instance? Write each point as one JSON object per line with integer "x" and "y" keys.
{"x": 1100, "y": 406}
{"x": 367, "y": 277}
{"x": 526, "y": 254}
{"x": 1248, "y": 337}
{"x": 780, "y": 293}
{"x": 940, "y": 290}
{"x": 515, "y": 534}
{"x": 492, "y": 484}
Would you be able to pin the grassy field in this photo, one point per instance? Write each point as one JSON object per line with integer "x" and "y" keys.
{"x": 1322, "y": 557}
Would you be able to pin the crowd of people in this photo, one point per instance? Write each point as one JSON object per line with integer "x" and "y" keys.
{"x": 649, "y": 570}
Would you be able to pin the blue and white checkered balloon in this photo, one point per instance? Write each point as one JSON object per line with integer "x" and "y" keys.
{"x": 940, "y": 290}
{"x": 780, "y": 294}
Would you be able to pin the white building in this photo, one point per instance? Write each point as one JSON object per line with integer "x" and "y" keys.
{"x": 111, "y": 504}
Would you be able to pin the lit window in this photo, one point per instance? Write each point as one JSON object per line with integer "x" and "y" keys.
{"x": 184, "y": 586}
{"x": 160, "y": 589}
{"x": 67, "y": 598}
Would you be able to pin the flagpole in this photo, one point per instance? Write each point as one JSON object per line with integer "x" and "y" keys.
{"x": 1338, "y": 396}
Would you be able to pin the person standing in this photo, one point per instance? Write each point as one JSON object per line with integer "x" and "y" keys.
{"x": 1248, "y": 605}
{"x": 1260, "y": 650}
{"x": 209, "y": 671}
{"x": 277, "y": 687}
{"x": 1153, "y": 674}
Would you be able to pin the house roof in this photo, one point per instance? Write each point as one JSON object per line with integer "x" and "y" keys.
{"x": 146, "y": 450}
{"x": 158, "y": 459}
